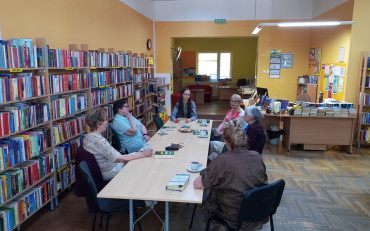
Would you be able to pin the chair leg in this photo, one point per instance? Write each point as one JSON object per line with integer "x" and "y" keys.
{"x": 208, "y": 223}
{"x": 107, "y": 225}
{"x": 94, "y": 222}
{"x": 137, "y": 216}
{"x": 192, "y": 217}
{"x": 101, "y": 220}
{"x": 271, "y": 223}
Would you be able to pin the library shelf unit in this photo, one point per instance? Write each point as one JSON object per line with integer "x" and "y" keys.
{"x": 91, "y": 78}
{"x": 363, "y": 101}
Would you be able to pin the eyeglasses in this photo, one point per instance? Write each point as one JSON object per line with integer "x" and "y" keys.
{"x": 126, "y": 106}
{"x": 186, "y": 94}
{"x": 233, "y": 101}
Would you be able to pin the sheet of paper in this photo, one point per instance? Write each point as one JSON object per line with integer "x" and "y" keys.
{"x": 274, "y": 76}
{"x": 331, "y": 78}
{"x": 341, "y": 54}
{"x": 342, "y": 71}
{"x": 327, "y": 69}
{"x": 336, "y": 70}
{"x": 341, "y": 83}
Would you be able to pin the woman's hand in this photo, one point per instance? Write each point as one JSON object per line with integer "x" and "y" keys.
{"x": 148, "y": 153}
{"x": 177, "y": 120}
{"x": 146, "y": 138}
{"x": 188, "y": 120}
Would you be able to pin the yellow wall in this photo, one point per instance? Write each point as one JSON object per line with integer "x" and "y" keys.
{"x": 98, "y": 23}
{"x": 330, "y": 39}
{"x": 295, "y": 41}
{"x": 360, "y": 41}
{"x": 243, "y": 52}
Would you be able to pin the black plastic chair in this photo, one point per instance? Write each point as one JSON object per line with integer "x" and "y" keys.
{"x": 104, "y": 206}
{"x": 262, "y": 144}
{"x": 257, "y": 205}
{"x": 158, "y": 121}
{"x": 116, "y": 143}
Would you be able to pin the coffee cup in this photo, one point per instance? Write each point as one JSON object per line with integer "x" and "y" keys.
{"x": 204, "y": 122}
{"x": 163, "y": 131}
{"x": 195, "y": 165}
{"x": 146, "y": 147}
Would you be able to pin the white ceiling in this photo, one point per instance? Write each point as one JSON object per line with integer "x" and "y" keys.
{"x": 208, "y": 10}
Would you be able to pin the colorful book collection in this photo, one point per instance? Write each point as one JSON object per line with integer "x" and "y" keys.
{"x": 140, "y": 78}
{"x": 66, "y": 177}
{"x": 63, "y": 130}
{"x": 139, "y": 93}
{"x": 103, "y": 95}
{"x": 65, "y": 153}
{"x": 16, "y": 180}
{"x": 103, "y": 78}
{"x": 367, "y": 81}
{"x": 68, "y": 82}
{"x": 139, "y": 109}
{"x": 17, "y": 211}
{"x": 365, "y": 118}
{"x": 120, "y": 59}
{"x": 366, "y": 101}
{"x": 22, "y": 86}
{"x": 124, "y": 90}
{"x": 364, "y": 135}
{"x": 68, "y": 104}
{"x": 98, "y": 59}
{"x": 20, "y": 53}
{"x": 20, "y": 116}
{"x": 108, "y": 133}
{"x": 139, "y": 62}
{"x": 66, "y": 58}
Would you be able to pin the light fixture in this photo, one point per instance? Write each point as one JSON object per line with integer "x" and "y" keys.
{"x": 301, "y": 24}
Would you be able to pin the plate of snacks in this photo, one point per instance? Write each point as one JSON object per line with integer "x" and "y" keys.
{"x": 177, "y": 144}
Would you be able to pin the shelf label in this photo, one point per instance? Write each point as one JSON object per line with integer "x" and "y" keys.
{"x": 69, "y": 68}
{"x": 16, "y": 70}
{"x": 220, "y": 20}
{"x": 114, "y": 67}
{"x": 94, "y": 68}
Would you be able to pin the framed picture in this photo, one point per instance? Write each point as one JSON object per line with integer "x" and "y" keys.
{"x": 287, "y": 60}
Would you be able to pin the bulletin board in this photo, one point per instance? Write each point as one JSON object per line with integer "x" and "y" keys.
{"x": 332, "y": 80}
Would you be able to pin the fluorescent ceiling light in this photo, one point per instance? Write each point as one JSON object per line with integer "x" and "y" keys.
{"x": 301, "y": 24}
{"x": 257, "y": 30}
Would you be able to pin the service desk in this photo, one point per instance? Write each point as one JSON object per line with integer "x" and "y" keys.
{"x": 146, "y": 179}
{"x": 227, "y": 91}
{"x": 315, "y": 132}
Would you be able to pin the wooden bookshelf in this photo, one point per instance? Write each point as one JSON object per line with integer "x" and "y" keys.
{"x": 137, "y": 66}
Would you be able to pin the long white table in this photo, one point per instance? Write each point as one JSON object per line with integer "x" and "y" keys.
{"x": 146, "y": 179}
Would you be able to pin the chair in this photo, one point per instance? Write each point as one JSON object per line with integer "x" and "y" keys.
{"x": 104, "y": 206}
{"x": 257, "y": 205}
{"x": 304, "y": 98}
{"x": 262, "y": 144}
{"x": 116, "y": 143}
{"x": 158, "y": 121}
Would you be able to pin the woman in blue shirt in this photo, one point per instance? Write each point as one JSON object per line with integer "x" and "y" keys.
{"x": 184, "y": 108}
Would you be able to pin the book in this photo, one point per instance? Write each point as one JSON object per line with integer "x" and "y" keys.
{"x": 178, "y": 182}
{"x": 171, "y": 128}
{"x": 198, "y": 131}
{"x": 164, "y": 154}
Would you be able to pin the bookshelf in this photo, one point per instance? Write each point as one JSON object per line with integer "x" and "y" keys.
{"x": 75, "y": 81}
{"x": 363, "y": 101}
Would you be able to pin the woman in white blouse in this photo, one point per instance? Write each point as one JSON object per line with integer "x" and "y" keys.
{"x": 110, "y": 161}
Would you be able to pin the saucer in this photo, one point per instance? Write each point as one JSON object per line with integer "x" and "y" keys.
{"x": 198, "y": 170}
{"x": 206, "y": 136}
{"x": 162, "y": 133}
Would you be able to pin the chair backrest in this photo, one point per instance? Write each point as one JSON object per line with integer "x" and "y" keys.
{"x": 158, "y": 121}
{"x": 304, "y": 98}
{"x": 90, "y": 187}
{"x": 260, "y": 203}
{"x": 262, "y": 143}
{"x": 116, "y": 143}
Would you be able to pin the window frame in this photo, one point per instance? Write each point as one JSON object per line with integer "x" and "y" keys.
{"x": 218, "y": 63}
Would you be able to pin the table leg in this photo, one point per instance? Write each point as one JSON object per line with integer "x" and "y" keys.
{"x": 131, "y": 204}
{"x": 167, "y": 225}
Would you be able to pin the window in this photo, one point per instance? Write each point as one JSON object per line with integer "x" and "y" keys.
{"x": 215, "y": 65}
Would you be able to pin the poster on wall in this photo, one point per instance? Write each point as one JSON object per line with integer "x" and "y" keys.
{"x": 335, "y": 84}
{"x": 275, "y": 64}
{"x": 341, "y": 83}
{"x": 286, "y": 60}
{"x": 332, "y": 80}
{"x": 315, "y": 60}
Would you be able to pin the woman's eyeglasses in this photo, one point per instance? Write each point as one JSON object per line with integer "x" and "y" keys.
{"x": 233, "y": 101}
{"x": 186, "y": 94}
{"x": 126, "y": 106}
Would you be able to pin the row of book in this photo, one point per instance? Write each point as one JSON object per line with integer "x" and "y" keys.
{"x": 139, "y": 62}
{"x": 120, "y": 59}
{"x": 68, "y": 82}
{"x": 24, "y": 146}
{"x": 366, "y": 100}
{"x": 367, "y": 81}
{"x": 68, "y": 104}
{"x": 140, "y": 78}
{"x": 20, "y": 53}
{"x": 16, "y": 180}
{"x": 66, "y": 58}
{"x": 22, "y": 86}
{"x": 104, "y": 95}
{"x": 139, "y": 108}
{"x": 335, "y": 112}
{"x": 66, "y": 152}
{"x": 139, "y": 93}
{"x": 20, "y": 116}
{"x": 63, "y": 130}
{"x": 365, "y": 118}
{"x": 66, "y": 177}
{"x": 108, "y": 133}
{"x": 103, "y": 78}
{"x": 364, "y": 135}
{"x": 17, "y": 211}
{"x": 108, "y": 111}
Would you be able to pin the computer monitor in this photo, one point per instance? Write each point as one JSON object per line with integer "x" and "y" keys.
{"x": 262, "y": 91}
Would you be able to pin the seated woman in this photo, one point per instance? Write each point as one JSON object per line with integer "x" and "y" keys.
{"x": 230, "y": 175}
{"x": 235, "y": 112}
{"x": 184, "y": 108}
{"x": 110, "y": 161}
{"x": 131, "y": 133}
{"x": 255, "y": 131}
